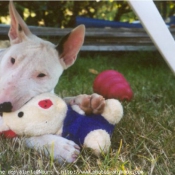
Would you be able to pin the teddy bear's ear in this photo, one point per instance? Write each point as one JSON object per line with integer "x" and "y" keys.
{"x": 46, "y": 103}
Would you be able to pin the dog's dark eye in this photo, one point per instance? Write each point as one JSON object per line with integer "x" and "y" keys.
{"x": 12, "y": 60}
{"x": 41, "y": 75}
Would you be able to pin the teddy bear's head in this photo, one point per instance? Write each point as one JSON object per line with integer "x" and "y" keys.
{"x": 41, "y": 115}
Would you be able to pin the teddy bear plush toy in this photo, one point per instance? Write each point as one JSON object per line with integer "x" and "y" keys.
{"x": 49, "y": 114}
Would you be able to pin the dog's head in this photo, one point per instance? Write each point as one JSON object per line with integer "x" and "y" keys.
{"x": 31, "y": 66}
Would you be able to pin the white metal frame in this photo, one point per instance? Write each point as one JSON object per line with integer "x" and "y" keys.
{"x": 156, "y": 29}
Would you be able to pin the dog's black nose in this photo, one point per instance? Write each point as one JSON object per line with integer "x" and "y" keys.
{"x": 6, "y": 107}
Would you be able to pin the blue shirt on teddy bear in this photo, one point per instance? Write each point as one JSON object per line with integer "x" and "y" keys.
{"x": 77, "y": 126}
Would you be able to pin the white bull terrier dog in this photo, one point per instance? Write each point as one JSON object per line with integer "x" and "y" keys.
{"x": 31, "y": 66}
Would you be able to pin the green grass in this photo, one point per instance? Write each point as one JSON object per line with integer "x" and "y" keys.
{"x": 144, "y": 140}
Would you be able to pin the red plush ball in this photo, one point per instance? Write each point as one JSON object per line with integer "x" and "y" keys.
{"x": 112, "y": 84}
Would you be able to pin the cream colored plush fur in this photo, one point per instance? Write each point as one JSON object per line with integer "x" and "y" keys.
{"x": 99, "y": 140}
{"x": 37, "y": 121}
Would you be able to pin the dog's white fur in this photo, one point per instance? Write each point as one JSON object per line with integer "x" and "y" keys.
{"x": 21, "y": 66}
{"x": 33, "y": 56}
{"x": 31, "y": 66}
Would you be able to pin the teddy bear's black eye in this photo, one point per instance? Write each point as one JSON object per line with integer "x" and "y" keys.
{"x": 13, "y": 60}
{"x": 20, "y": 114}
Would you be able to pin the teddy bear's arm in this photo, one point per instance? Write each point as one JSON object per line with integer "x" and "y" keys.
{"x": 113, "y": 111}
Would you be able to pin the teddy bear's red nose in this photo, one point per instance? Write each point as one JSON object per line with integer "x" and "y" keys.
{"x": 47, "y": 103}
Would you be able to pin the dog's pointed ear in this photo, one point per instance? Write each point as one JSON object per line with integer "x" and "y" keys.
{"x": 17, "y": 25}
{"x": 70, "y": 45}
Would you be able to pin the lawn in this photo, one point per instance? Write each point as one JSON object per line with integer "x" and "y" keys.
{"x": 144, "y": 140}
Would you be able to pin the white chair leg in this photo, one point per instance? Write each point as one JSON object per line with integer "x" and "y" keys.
{"x": 156, "y": 29}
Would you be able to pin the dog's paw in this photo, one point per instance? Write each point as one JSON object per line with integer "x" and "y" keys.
{"x": 59, "y": 148}
{"x": 90, "y": 103}
{"x": 66, "y": 151}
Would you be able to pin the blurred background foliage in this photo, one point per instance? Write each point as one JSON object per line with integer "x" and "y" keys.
{"x": 63, "y": 13}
